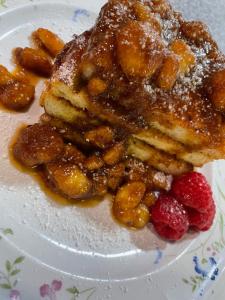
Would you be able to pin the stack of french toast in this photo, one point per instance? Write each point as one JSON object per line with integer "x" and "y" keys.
{"x": 137, "y": 99}
{"x": 145, "y": 71}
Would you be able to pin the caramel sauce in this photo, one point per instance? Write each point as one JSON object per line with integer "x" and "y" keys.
{"x": 38, "y": 175}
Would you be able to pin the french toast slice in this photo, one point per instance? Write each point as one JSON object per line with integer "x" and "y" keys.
{"x": 195, "y": 124}
{"x": 214, "y": 151}
{"x": 66, "y": 70}
{"x": 157, "y": 139}
{"x": 158, "y": 159}
{"x": 63, "y": 110}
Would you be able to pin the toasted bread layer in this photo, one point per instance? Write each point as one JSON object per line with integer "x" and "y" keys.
{"x": 158, "y": 159}
{"x": 160, "y": 141}
{"x": 195, "y": 125}
{"x": 61, "y": 109}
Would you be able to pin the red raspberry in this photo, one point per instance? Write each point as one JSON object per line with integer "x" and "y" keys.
{"x": 192, "y": 190}
{"x": 201, "y": 221}
{"x": 169, "y": 218}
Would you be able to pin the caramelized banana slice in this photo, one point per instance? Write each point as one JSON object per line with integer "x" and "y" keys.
{"x": 217, "y": 91}
{"x": 144, "y": 13}
{"x": 17, "y": 96}
{"x": 137, "y": 217}
{"x": 139, "y": 49}
{"x": 96, "y": 86}
{"x": 100, "y": 137}
{"x": 72, "y": 155}
{"x": 93, "y": 162}
{"x": 127, "y": 206}
{"x": 34, "y": 60}
{"x": 130, "y": 195}
{"x": 187, "y": 57}
{"x": 49, "y": 40}
{"x": 5, "y": 76}
{"x": 113, "y": 155}
{"x": 37, "y": 144}
{"x": 169, "y": 72}
{"x": 69, "y": 180}
{"x": 14, "y": 94}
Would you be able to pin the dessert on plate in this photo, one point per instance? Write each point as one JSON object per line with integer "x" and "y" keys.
{"x": 132, "y": 106}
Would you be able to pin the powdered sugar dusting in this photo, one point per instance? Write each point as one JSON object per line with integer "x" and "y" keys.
{"x": 193, "y": 80}
{"x": 66, "y": 70}
{"x": 170, "y": 28}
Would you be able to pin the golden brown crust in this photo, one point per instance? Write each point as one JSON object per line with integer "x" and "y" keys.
{"x": 67, "y": 62}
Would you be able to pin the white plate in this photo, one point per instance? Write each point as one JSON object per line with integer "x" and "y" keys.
{"x": 81, "y": 253}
